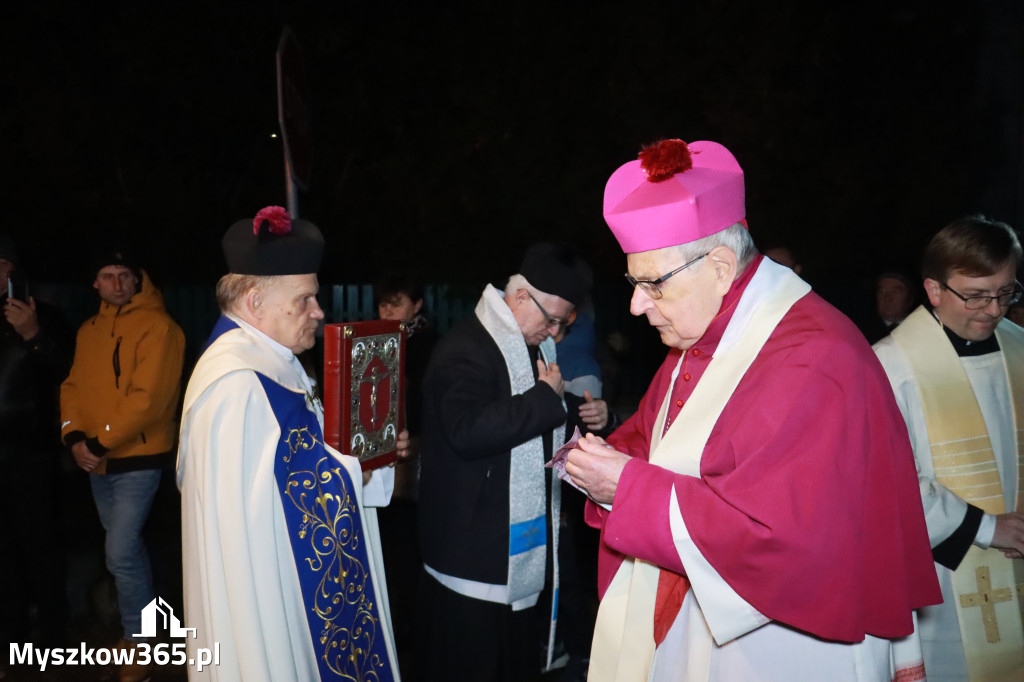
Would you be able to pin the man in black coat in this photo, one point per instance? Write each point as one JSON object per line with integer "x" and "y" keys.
{"x": 35, "y": 354}
{"x": 493, "y": 408}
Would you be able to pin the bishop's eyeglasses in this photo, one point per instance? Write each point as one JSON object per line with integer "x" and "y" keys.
{"x": 652, "y": 287}
{"x": 979, "y": 302}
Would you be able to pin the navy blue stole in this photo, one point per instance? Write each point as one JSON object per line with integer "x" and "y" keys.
{"x": 331, "y": 556}
{"x": 224, "y": 324}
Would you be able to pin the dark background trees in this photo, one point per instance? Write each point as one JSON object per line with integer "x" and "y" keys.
{"x": 447, "y": 136}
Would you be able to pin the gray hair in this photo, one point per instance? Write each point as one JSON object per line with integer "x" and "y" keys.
{"x": 232, "y": 288}
{"x": 517, "y": 282}
{"x": 736, "y": 238}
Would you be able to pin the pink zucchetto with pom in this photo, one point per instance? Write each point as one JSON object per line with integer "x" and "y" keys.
{"x": 674, "y": 193}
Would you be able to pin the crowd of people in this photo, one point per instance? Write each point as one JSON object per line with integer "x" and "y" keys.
{"x": 754, "y": 518}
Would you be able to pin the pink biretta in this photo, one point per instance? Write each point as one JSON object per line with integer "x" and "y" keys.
{"x": 674, "y": 193}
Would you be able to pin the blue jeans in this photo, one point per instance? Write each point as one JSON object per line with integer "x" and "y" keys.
{"x": 123, "y": 502}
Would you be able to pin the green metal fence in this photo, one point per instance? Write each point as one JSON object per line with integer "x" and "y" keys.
{"x": 442, "y": 306}
{"x": 194, "y": 307}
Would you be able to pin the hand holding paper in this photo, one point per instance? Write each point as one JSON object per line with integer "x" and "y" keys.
{"x": 596, "y": 467}
{"x": 591, "y": 466}
{"x": 561, "y": 457}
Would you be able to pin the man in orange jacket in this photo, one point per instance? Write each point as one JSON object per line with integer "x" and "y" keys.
{"x": 117, "y": 416}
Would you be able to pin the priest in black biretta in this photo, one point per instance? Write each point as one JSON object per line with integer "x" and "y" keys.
{"x": 273, "y": 243}
{"x": 282, "y": 565}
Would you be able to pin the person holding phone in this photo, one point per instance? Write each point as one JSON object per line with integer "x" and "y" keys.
{"x": 35, "y": 353}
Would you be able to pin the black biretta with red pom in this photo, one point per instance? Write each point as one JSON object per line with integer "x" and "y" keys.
{"x": 273, "y": 244}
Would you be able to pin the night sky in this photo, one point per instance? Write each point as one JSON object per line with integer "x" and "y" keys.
{"x": 448, "y": 136}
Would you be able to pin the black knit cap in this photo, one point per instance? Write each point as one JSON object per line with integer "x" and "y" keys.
{"x": 114, "y": 254}
{"x": 557, "y": 270}
{"x": 273, "y": 244}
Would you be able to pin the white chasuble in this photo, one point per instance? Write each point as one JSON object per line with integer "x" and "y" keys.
{"x": 242, "y": 586}
{"x": 987, "y": 588}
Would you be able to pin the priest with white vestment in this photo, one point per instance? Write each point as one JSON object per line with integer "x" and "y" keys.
{"x": 758, "y": 514}
{"x": 282, "y": 566}
{"x": 957, "y": 368}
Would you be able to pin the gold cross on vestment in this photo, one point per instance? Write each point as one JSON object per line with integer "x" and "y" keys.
{"x": 986, "y": 598}
{"x": 1020, "y": 593}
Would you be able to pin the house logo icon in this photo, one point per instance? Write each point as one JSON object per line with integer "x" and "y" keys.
{"x": 160, "y": 610}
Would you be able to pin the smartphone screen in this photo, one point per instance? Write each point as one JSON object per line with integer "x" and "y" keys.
{"x": 17, "y": 289}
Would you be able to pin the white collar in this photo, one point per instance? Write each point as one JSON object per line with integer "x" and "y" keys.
{"x": 285, "y": 352}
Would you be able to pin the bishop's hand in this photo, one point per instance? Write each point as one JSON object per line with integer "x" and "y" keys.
{"x": 596, "y": 467}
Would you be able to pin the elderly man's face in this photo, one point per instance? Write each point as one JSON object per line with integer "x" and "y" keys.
{"x": 690, "y": 299}
{"x": 290, "y": 313}
{"x": 533, "y": 322}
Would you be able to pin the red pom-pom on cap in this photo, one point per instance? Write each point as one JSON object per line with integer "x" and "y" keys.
{"x": 277, "y": 219}
{"x": 664, "y": 159}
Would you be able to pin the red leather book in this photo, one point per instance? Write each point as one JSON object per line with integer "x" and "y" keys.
{"x": 364, "y": 389}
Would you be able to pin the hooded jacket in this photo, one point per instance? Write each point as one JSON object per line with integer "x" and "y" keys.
{"x": 122, "y": 392}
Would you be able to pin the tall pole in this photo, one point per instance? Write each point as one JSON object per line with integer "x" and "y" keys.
{"x": 290, "y": 188}
{"x": 293, "y": 117}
